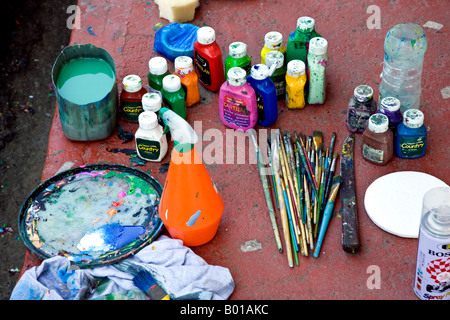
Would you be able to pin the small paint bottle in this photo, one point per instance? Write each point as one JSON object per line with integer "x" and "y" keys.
{"x": 411, "y": 138}
{"x": 208, "y": 59}
{"x": 390, "y": 106}
{"x": 184, "y": 69}
{"x": 298, "y": 41}
{"x": 295, "y": 84}
{"x": 279, "y": 73}
{"x": 378, "y": 140}
{"x": 273, "y": 41}
{"x": 173, "y": 96}
{"x": 237, "y": 101}
{"x": 152, "y": 101}
{"x": 237, "y": 57}
{"x": 157, "y": 71}
{"x": 317, "y": 63}
{"x": 360, "y": 108}
{"x": 151, "y": 142}
{"x": 131, "y": 97}
{"x": 266, "y": 94}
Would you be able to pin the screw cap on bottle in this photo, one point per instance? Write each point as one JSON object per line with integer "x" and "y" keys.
{"x": 259, "y": 71}
{"x": 151, "y": 101}
{"x": 296, "y": 68}
{"x": 206, "y": 35}
{"x": 236, "y": 76}
{"x": 318, "y": 46}
{"x": 273, "y": 40}
{"x": 237, "y": 49}
{"x": 378, "y": 123}
{"x": 147, "y": 120}
{"x": 157, "y": 65}
{"x": 390, "y": 103}
{"x": 183, "y": 65}
{"x": 132, "y": 83}
{"x": 306, "y": 24}
{"x": 413, "y": 118}
{"x": 363, "y": 93}
{"x": 274, "y": 56}
{"x": 171, "y": 83}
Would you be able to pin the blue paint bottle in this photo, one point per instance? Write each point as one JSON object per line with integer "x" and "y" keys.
{"x": 266, "y": 94}
{"x": 411, "y": 139}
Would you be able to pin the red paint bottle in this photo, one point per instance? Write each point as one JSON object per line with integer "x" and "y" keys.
{"x": 208, "y": 59}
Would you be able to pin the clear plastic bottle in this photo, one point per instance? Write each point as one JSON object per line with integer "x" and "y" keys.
{"x": 404, "y": 50}
{"x": 432, "y": 276}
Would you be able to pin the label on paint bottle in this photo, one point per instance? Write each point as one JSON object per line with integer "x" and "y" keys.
{"x": 373, "y": 154}
{"x": 131, "y": 110}
{"x": 235, "y": 111}
{"x": 204, "y": 71}
{"x": 148, "y": 149}
{"x": 411, "y": 146}
{"x": 260, "y": 105}
{"x": 432, "y": 278}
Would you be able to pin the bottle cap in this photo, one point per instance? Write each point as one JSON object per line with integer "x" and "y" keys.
{"x": 390, "y": 103}
{"x": 147, "y": 120}
{"x": 206, "y": 35}
{"x": 306, "y": 24}
{"x": 318, "y": 46}
{"x": 378, "y": 123}
{"x": 171, "y": 83}
{"x": 363, "y": 93}
{"x": 132, "y": 83}
{"x": 259, "y": 71}
{"x": 272, "y": 57}
{"x": 183, "y": 65}
{"x": 157, "y": 65}
{"x": 236, "y": 76}
{"x": 273, "y": 40}
{"x": 296, "y": 68}
{"x": 237, "y": 49}
{"x": 151, "y": 101}
{"x": 413, "y": 118}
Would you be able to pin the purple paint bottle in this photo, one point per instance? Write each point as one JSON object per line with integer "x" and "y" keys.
{"x": 237, "y": 101}
{"x": 360, "y": 108}
{"x": 390, "y": 106}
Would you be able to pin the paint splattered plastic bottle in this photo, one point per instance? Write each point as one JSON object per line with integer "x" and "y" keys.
{"x": 390, "y": 107}
{"x": 151, "y": 142}
{"x": 157, "y": 71}
{"x": 279, "y": 74}
{"x": 411, "y": 138}
{"x": 298, "y": 41}
{"x": 208, "y": 59}
{"x": 237, "y": 101}
{"x": 378, "y": 140}
{"x": 295, "y": 85}
{"x": 152, "y": 101}
{"x": 131, "y": 97}
{"x": 404, "y": 49}
{"x": 173, "y": 96}
{"x": 273, "y": 41}
{"x": 184, "y": 69}
{"x": 317, "y": 63}
{"x": 238, "y": 57}
{"x": 360, "y": 108}
{"x": 432, "y": 276}
{"x": 266, "y": 94}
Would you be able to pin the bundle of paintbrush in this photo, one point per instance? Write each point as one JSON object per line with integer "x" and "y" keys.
{"x": 305, "y": 188}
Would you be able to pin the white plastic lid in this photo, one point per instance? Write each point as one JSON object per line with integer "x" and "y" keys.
{"x": 378, "y": 123}
{"x": 157, "y": 65}
{"x": 237, "y": 49}
{"x": 413, "y": 118}
{"x": 236, "y": 76}
{"x": 147, "y": 120}
{"x": 206, "y": 35}
{"x": 363, "y": 93}
{"x": 183, "y": 65}
{"x": 296, "y": 68}
{"x": 318, "y": 45}
{"x": 390, "y": 103}
{"x": 259, "y": 71}
{"x": 272, "y": 57}
{"x": 171, "y": 83}
{"x": 151, "y": 101}
{"x": 273, "y": 40}
{"x": 132, "y": 83}
{"x": 306, "y": 23}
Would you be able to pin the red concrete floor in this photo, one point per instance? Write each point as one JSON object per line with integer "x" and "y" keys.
{"x": 125, "y": 30}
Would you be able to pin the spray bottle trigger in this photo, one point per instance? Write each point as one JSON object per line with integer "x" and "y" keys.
{"x": 166, "y": 129}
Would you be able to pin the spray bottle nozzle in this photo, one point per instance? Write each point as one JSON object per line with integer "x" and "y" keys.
{"x": 182, "y": 133}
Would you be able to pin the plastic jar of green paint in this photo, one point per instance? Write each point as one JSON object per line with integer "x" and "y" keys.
{"x": 238, "y": 57}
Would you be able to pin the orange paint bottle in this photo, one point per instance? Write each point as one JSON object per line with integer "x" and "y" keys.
{"x": 184, "y": 69}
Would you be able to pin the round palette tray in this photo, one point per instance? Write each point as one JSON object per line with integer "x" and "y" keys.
{"x": 61, "y": 209}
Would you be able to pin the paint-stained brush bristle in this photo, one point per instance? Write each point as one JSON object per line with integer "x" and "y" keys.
{"x": 145, "y": 281}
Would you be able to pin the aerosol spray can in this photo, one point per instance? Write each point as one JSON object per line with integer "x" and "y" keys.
{"x": 432, "y": 277}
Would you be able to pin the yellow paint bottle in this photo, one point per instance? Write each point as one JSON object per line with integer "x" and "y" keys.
{"x": 295, "y": 84}
{"x": 273, "y": 41}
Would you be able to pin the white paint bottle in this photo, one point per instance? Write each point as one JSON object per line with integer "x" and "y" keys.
{"x": 151, "y": 142}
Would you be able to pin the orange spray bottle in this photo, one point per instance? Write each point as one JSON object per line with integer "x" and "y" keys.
{"x": 190, "y": 206}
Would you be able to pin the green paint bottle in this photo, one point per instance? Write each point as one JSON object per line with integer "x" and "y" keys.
{"x": 237, "y": 57}
{"x": 157, "y": 71}
{"x": 173, "y": 96}
{"x": 298, "y": 41}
